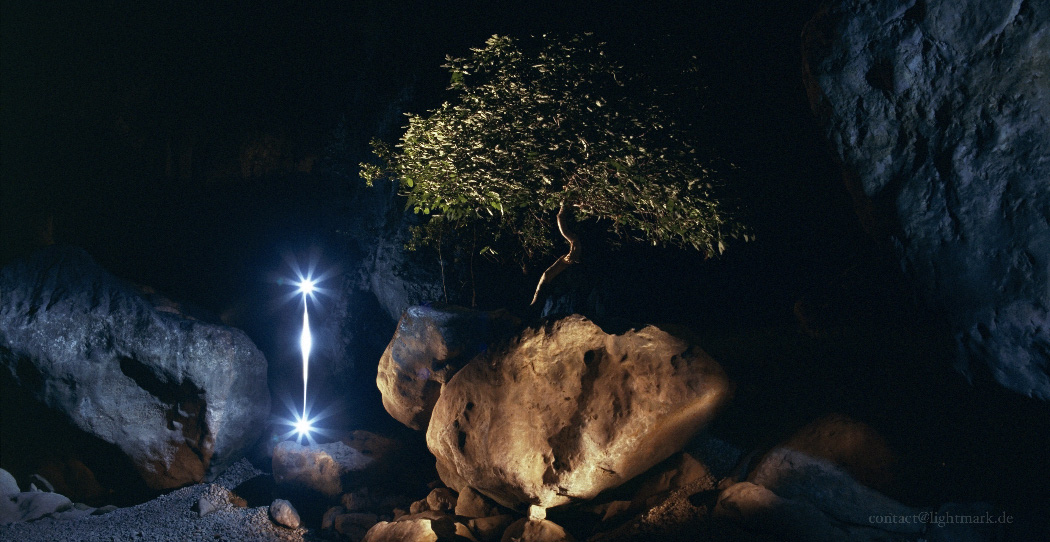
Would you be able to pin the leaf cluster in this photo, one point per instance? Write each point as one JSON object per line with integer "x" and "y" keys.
{"x": 532, "y": 129}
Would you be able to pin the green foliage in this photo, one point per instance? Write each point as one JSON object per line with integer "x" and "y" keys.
{"x": 529, "y": 132}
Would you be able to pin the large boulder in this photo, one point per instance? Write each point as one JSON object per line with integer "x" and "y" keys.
{"x": 179, "y": 397}
{"x": 940, "y": 113}
{"x": 567, "y": 410}
{"x": 431, "y": 343}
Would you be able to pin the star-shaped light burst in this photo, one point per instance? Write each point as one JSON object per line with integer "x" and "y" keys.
{"x": 303, "y": 424}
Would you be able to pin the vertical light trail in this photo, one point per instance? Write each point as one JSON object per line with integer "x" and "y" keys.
{"x": 305, "y": 343}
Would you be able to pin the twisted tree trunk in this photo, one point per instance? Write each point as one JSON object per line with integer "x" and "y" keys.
{"x": 565, "y": 261}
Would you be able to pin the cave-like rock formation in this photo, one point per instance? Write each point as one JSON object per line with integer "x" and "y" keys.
{"x": 180, "y": 398}
{"x": 940, "y": 113}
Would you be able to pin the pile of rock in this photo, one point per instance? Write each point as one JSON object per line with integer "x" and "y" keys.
{"x": 38, "y": 502}
{"x": 533, "y": 419}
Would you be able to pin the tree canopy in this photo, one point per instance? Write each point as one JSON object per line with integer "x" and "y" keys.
{"x": 530, "y": 132}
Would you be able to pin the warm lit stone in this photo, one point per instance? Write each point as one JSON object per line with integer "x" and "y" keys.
{"x": 567, "y": 410}
{"x": 431, "y": 343}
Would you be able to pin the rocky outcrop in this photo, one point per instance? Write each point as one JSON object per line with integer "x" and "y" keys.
{"x": 566, "y": 410}
{"x": 940, "y": 113}
{"x": 431, "y": 343}
{"x": 181, "y": 398}
{"x": 333, "y": 468}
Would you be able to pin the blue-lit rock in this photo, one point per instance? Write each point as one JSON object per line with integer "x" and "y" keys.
{"x": 180, "y": 397}
{"x": 939, "y": 111}
{"x": 431, "y": 343}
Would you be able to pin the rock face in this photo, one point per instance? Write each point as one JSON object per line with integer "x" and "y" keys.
{"x": 431, "y": 343}
{"x": 180, "y": 397}
{"x": 566, "y": 410}
{"x": 940, "y": 113}
{"x": 327, "y": 469}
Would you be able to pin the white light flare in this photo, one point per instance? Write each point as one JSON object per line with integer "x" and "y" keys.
{"x": 305, "y": 344}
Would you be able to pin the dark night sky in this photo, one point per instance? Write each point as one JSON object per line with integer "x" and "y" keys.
{"x": 100, "y": 101}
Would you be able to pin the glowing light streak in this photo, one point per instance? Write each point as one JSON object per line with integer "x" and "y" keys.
{"x": 305, "y": 344}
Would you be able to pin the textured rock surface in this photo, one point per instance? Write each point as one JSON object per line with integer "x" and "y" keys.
{"x": 431, "y": 343}
{"x": 180, "y": 397}
{"x": 805, "y": 479}
{"x": 540, "y": 530}
{"x": 283, "y": 513}
{"x": 565, "y": 411}
{"x": 168, "y": 518}
{"x": 328, "y": 469}
{"x": 411, "y": 530}
{"x": 850, "y": 444}
{"x": 940, "y": 113}
{"x": 8, "y": 485}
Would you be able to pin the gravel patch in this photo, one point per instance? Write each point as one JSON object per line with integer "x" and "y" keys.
{"x": 169, "y": 518}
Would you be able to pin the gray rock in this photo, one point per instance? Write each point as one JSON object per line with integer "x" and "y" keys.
{"x": 329, "y": 469}
{"x": 760, "y": 509}
{"x": 283, "y": 513}
{"x": 105, "y": 509}
{"x": 8, "y": 485}
{"x": 37, "y": 504}
{"x": 205, "y": 506}
{"x": 566, "y": 411}
{"x": 9, "y": 512}
{"x": 940, "y": 113}
{"x": 431, "y": 343}
{"x": 791, "y": 474}
{"x": 41, "y": 483}
{"x": 180, "y": 397}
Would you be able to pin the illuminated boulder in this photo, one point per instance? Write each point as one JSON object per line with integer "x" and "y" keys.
{"x": 175, "y": 398}
{"x": 431, "y": 343}
{"x": 939, "y": 111}
{"x": 567, "y": 410}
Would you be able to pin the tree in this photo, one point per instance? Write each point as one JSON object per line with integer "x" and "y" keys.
{"x": 553, "y": 133}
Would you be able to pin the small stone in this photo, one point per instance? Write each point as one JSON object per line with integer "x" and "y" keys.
{"x": 328, "y": 520}
{"x": 418, "y": 530}
{"x": 418, "y": 506}
{"x": 8, "y": 485}
{"x": 530, "y": 530}
{"x": 205, "y": 506}
{"x": 283, "y": 513}
{"x": 42, "y": 483}
{"x": 441, "y": 499}
{"x": 472, "y": 504}
{"x": 490, "y": 529}
{"x": 537, "y": 513}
